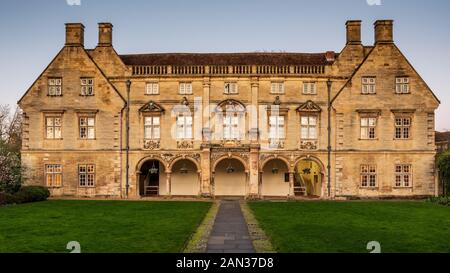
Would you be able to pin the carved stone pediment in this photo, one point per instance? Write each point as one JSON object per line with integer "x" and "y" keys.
{"x": 152, "y": 107}
{"x": 309, "y": 106}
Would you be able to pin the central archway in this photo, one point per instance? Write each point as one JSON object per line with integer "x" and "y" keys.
{"x": 185, "y": 178}
{"x": 275, "y": 178}
{"x": 230, "y": 178}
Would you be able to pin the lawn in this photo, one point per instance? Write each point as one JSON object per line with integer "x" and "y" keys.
{"x": 100, "y": 226}
{"x": 336, "y": 227}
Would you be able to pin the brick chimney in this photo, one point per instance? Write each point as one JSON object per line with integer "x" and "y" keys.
{"x": 105, "y": 34}
{"x": 74, "y": 34}
{"x": 353, "y": 32}
{"x": 384, "y": 31}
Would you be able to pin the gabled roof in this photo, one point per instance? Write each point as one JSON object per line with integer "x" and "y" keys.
{"x": 226, "y": 59}
{"x": 369, "y": 54}
{"x": 442, "y": 136}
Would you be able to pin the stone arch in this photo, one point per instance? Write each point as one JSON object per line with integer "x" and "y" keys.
{"x": 313, "y": 158}
{"x": 240, "y": 159}
{"x": 221, "y": 106}
{"x": 285, "y": 160}
{"x": 151, "y": 157}
{"x": 310, "y": 189}
{"x": 180, "y": 158}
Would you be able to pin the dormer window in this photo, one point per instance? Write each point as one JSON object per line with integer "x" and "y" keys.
{"x": 55, "y": 86}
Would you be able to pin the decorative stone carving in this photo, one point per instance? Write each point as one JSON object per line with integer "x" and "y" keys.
{"x": 184, "y": 101}
{"x": 152, "y": 144}
{"x": 168, "y": 157}
{"x": 185, "y": 144}
{"x": 152, "y": 107}
{"x": 196, "y": 157}
{"x": 277, "y": 101}
{"x": 276, "y": 144}
{"x": 309, "y": 106}
{"x": 308, "y": 144}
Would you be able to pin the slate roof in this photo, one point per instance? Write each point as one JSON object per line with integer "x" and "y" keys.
{"x": 227, "y": 59}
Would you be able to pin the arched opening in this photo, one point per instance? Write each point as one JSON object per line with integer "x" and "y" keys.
{"x": 308, "y": 178}
{"x": 152, "y": 177}
{"x": 185, "y": 180}
{"x": 230, "y": 178}
{"x": 275, "y": 178}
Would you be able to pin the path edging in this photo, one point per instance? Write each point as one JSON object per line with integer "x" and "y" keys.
{"x": 261, "y": 241}
{"x": 199, "y": 240}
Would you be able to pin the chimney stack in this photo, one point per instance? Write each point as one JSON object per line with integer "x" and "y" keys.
{"x": 384, "y": 31}
{"x": 105, "y": 34}
{"x": 353, "y": 32}
{"x": 74, "y": 34}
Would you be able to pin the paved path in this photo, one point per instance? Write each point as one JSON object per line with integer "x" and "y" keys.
{"x": 230, "y": 232}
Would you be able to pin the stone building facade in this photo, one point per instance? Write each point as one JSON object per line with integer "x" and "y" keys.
{"x": 235, "y": 124}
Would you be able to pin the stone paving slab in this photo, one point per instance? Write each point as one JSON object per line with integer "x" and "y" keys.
{"x": 230, "y": 232}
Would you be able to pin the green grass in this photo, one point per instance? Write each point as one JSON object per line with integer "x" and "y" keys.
{"x": 338, "y": 227}
{"x": 100, "y": 226}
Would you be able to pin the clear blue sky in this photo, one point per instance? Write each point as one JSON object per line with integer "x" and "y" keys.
{"x": 32, "y": 32}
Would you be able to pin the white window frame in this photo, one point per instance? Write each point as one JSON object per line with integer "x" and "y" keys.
{"x": 184, "y": 127}
{"x": 53, "y": 175}
{"x": 152, "y": 127}
{"x": 309, "y": 126}
{"x": 277, "y": 87}
{"x": 277, "y": 127}
{"x": 403, "y": 176}
{"x": 230, "y": 88}
{"x": 87, "y": 125}
{"x": 151, "y": 88}
{"x": 368, "y": 85}
{"x": 87, "y": 87}
{"x": 86, "y": 175}
{"x": 402, "y": 85}
{"x": 369, "y": 177}
{"x": 309, "y": 88}
{"x": 185, "y": 88}
{"x": 53, "y": 131}
{"x": 54, "y": 87}
{"x": 368, "y": 128}
{"x": 232, "y": 127}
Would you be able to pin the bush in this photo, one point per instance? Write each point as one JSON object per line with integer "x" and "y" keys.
{"x": 25, "y": 195}
{"x": 443, "y": 200}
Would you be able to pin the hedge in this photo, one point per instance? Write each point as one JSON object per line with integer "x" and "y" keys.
{"x": 27, "y": 194}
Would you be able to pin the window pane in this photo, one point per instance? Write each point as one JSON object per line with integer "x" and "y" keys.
{"x": 312, "y": 120}
{"x": 57, "y": 132}
{"x": 304, "y": 121}
{"x": 91, "y": 133}
{"x": 50, "y": 132}
{"x": 156, "y": 133}
{"x": 304, "y": 132}
{"x": 91, "y": 121}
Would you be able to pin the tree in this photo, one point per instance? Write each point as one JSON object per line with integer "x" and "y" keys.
{"x": 443, "y": 164}
{"x": 11, "y": 173}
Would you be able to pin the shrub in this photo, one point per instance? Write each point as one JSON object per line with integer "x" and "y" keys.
{"x": 25, "y": 195}
{"x": 443, "y": 163}
{"x": 443, "y": 200}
